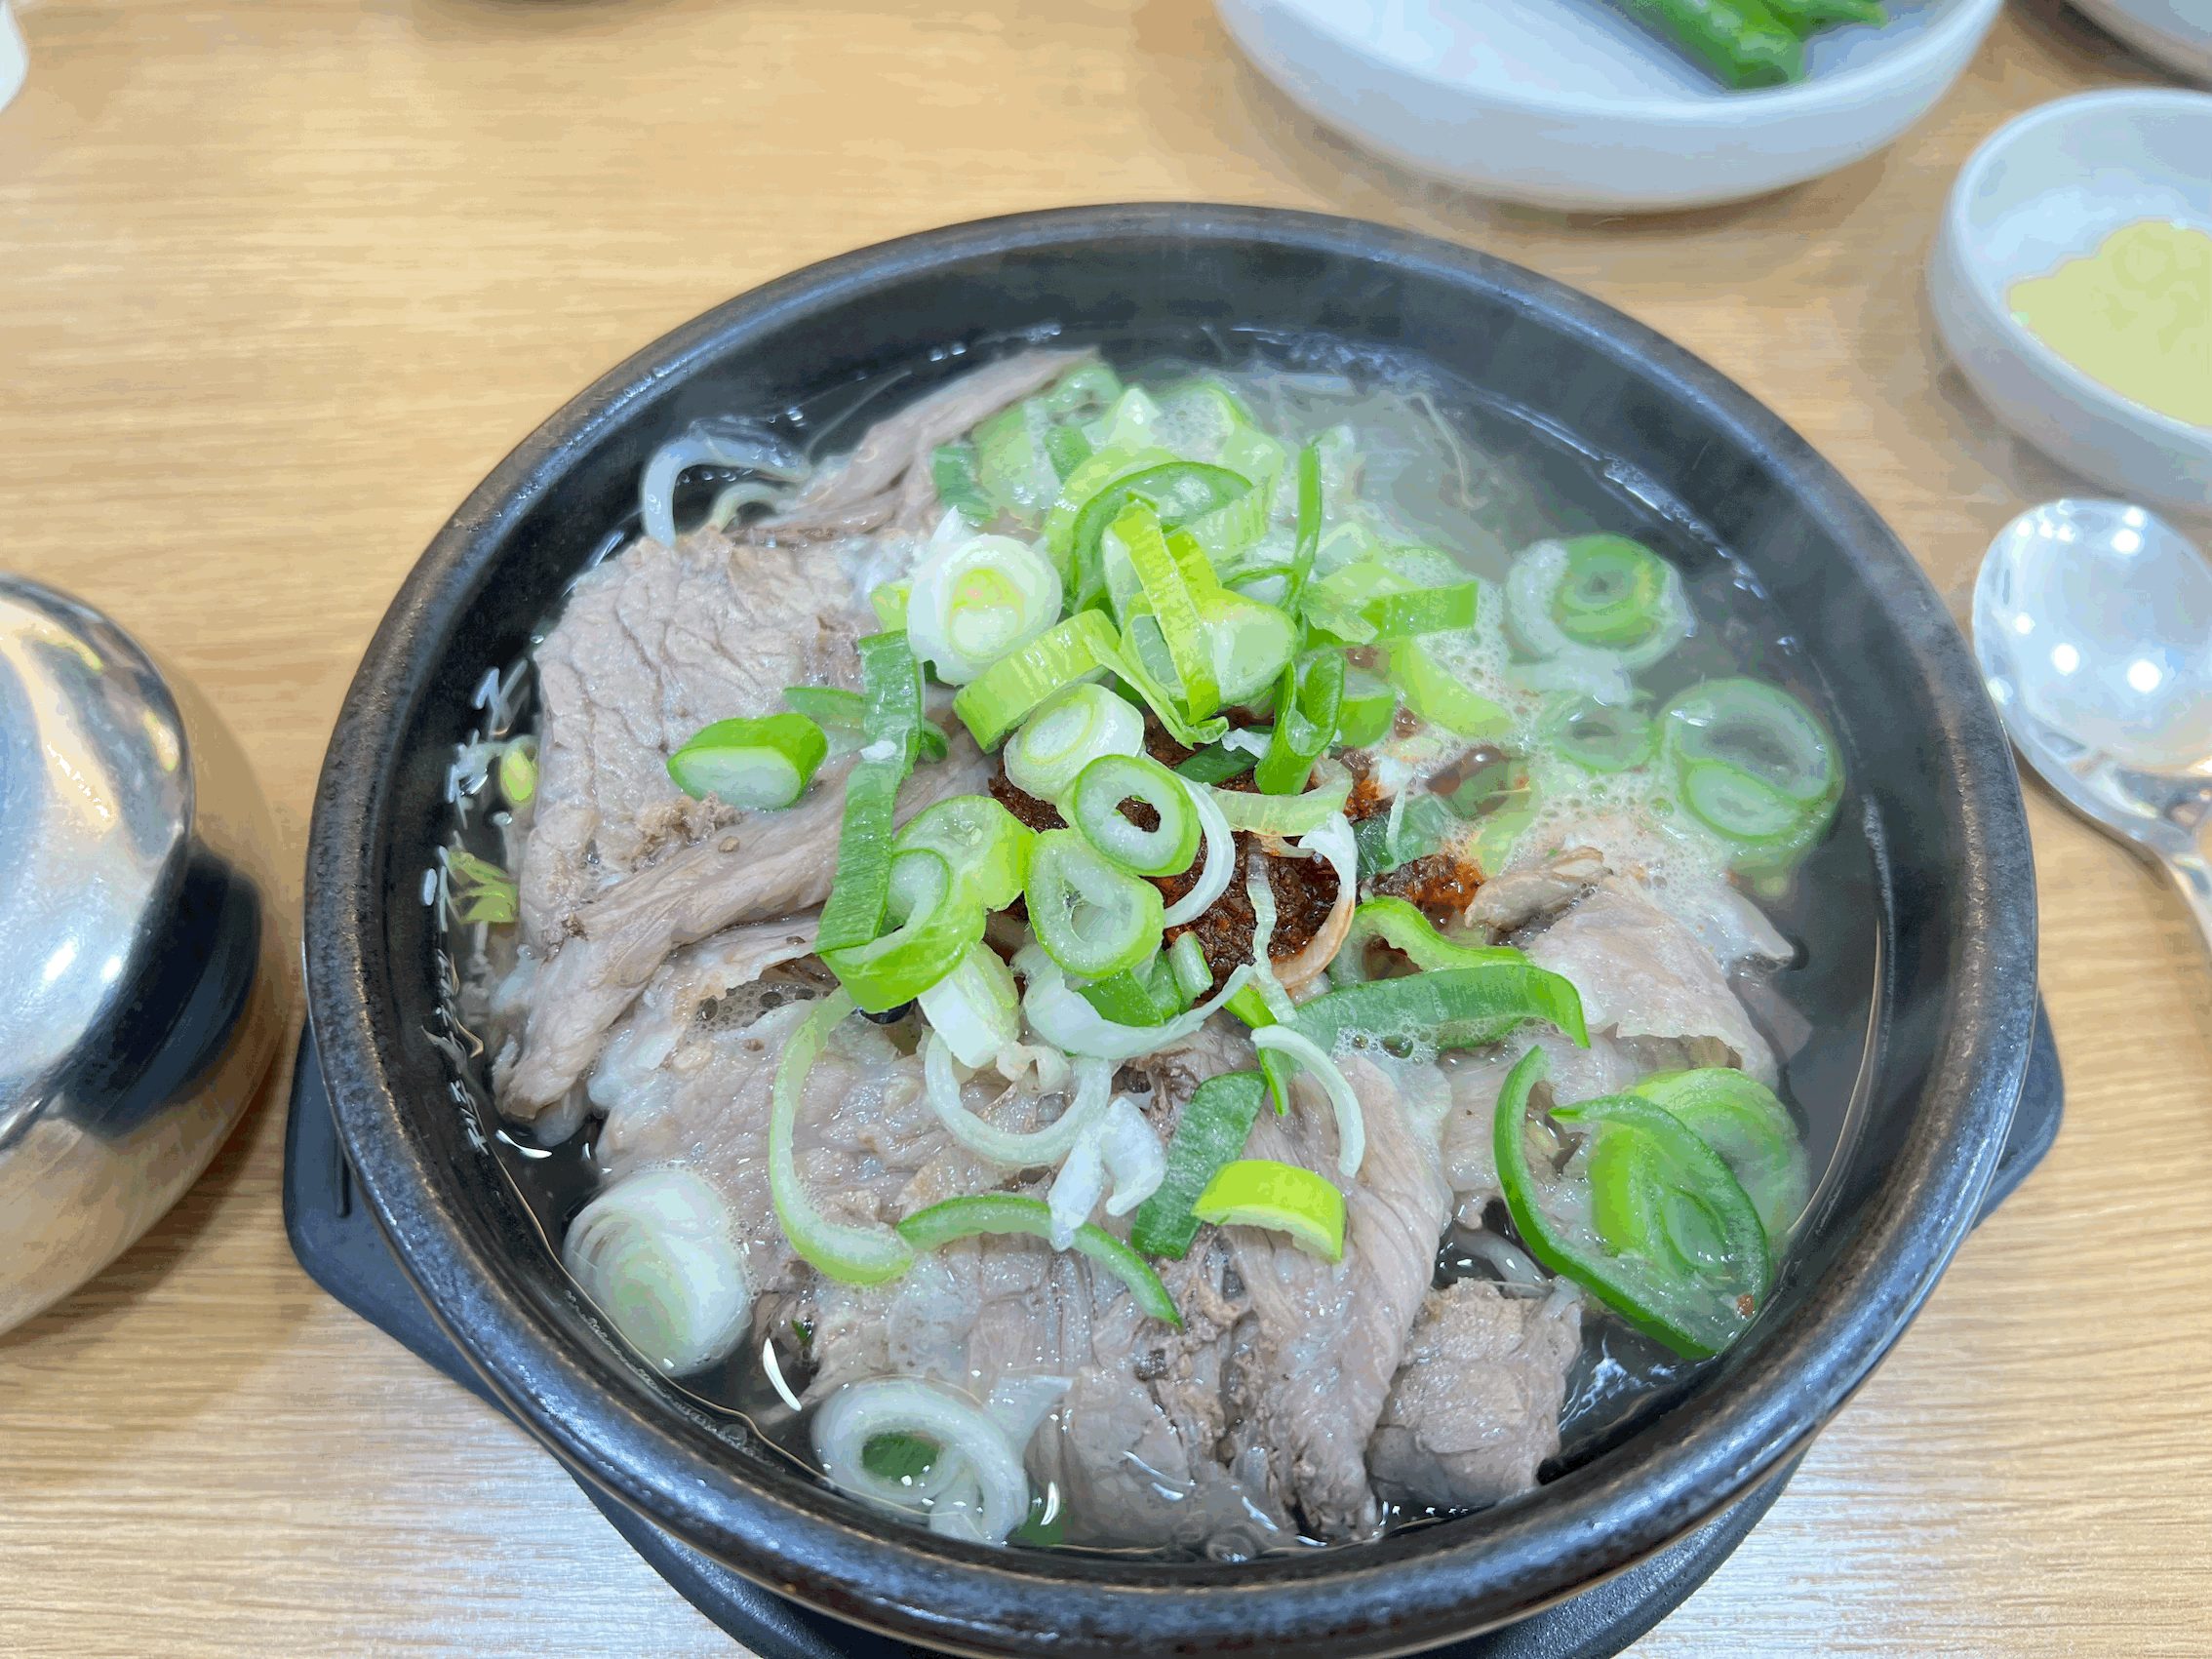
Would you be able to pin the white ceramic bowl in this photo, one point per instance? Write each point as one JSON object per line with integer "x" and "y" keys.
{"x": 2044, "y": 189}
{"x": 1567, "y": 103}
{"x": 2178, "y": 33}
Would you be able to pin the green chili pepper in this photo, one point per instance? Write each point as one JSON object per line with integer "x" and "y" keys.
{"x": 1741, "y": 41}
{"x": 1658, "y": 1229}
{"x": 1403, "y": 927}
{"x": 1451, "y": 1007}
{"x": 1176, "y": 492}
{"x": 1212, "y": 1132}
{"x": 1805, "y": 15}
{"x": 1741, "y": 1119}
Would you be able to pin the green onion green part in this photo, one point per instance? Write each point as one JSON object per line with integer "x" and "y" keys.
{"x": 761, "y": 764}
{"x": 1002, "y": 1213}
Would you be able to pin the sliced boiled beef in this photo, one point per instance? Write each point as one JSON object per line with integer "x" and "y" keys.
{"x": 1643, "y": 974}
{"x": 1327, "y": 1337}
{"x": 761, "y": 865}
{"x": 888, "y": 480}
{"x": 650, "y": 647}
{"x": 1475, "y": 1407}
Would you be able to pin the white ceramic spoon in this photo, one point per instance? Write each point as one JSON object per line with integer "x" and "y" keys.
{"x": 2093, "y": 623}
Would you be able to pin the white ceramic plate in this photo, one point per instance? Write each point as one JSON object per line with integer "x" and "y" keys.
{"x": 2178, "y": 33}
{"x": 2047, "y": 188}
{"x": 1567, "y": 103}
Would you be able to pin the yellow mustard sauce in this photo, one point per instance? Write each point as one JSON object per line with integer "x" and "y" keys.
{"x": 2136, "y": 315}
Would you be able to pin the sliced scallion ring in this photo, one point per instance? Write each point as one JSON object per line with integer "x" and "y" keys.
{"x": 975, "y": 602}
{"x": 1637, "y": 621}
{"x": 1071, "y": 728}
{"x": 1287, "y": 815}
{"x": 976, "y": 1007}
{"x": 937, "y": 921}
{"x": 1093, "y": 918}
{"x": 986, "y": 847}
{"x": 1756, "y": 767}
{"x": 1095, "y": 810}
{"x": 1613, "y": 593}
{"x": 761, "y": 764}
{"x": 1598, "y": 736}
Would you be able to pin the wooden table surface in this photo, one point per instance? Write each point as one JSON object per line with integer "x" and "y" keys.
{"x": 279, "y": 282}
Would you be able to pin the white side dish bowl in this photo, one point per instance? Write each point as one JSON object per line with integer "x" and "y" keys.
{"x": 2048, "y": 187}
{"x": 2177, "y": 33}
{"x": 1568, "y": 103}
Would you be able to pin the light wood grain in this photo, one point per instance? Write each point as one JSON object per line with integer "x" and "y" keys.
{"x": 279, "y": 282}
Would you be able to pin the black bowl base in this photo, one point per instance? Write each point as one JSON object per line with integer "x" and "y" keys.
{"x": 338, "y": 1241}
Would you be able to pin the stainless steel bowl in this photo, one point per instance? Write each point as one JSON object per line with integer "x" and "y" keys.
{"x": 143, "y": 974}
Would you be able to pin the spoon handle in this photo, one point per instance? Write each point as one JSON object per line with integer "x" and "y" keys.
{"x": 2192, "y": 879}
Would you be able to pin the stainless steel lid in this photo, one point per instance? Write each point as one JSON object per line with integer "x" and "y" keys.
{"x": 96, "y": 826}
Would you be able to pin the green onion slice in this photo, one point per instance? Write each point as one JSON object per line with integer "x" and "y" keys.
{"x": 1216, "y": 763}
{"x": 1174, "y": 603}
{"x": 1071, "y": 728}
{"x": 976, "y": 1007}
{"x": 487, "y": 893}
{"x": 1194, "y": 974}
{"x": 1212, "y": 1131}
{"x": 1127, "y": 999}
{"x": 891, "y": 683}
{"x": 761, "y": 764}
{"x": 1598, "y": 736}
{"x": 1754, "y": 765}
{"x": 1596, "y": 593}
{"x": 1175, "y": 494}
{"x": 843, "y": 717}
{"x": 1308, "y": 702}
{"x": 986, "y": 845}
{"x": 1308, "y": 541}
{"x": 1002, "y": 1213}
{"x": 935, "y": 920}
{"x": 852, "y": 1255}
{"x": 1612, "y": 592}
{"x": 1080, "y": 647}
{"x": 977, "y": 600}
{"x": 1259, "y": 1192}
{"x": 1095, "y": 812}
{"x": 952, "y": 466}
{"x": 1287, "y": 815}
{"x": 1092, "y": 917}
{"x": 1436, "y": 694}
{"x": 1366, "y": 710}
{"x": 1393, "y": 607}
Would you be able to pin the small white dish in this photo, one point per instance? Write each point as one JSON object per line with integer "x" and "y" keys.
{"x": 2048, "y": 187}
{"x": 2177, "y": 33}
{"x": 1567, "y": 103}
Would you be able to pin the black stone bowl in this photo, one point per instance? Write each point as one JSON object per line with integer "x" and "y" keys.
{"x": 1920, "y": 982}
